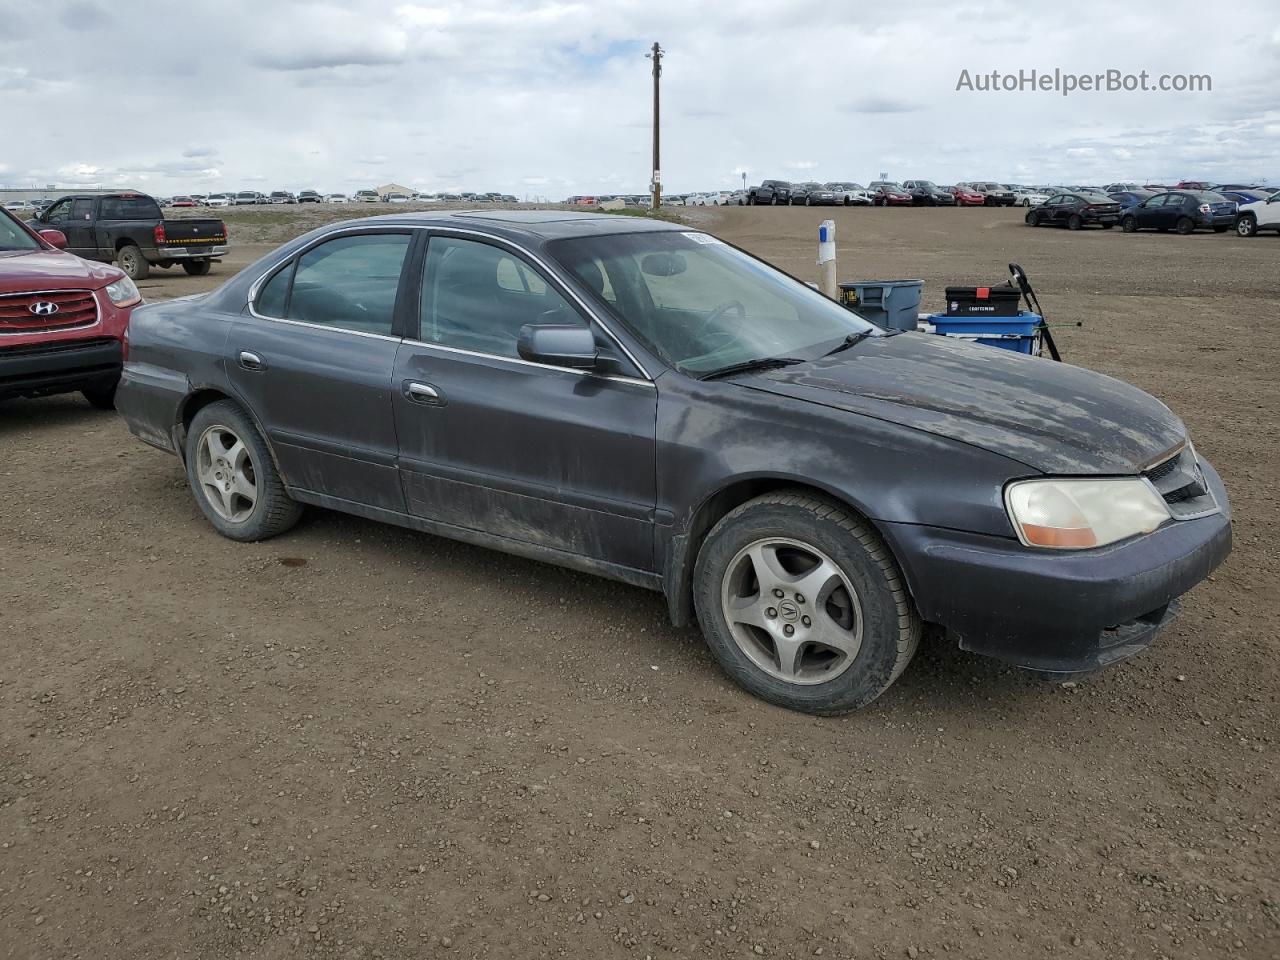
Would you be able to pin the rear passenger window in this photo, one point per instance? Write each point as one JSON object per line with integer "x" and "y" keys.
{"x": 476, "y": 296}
{"x": 347, "y": 282}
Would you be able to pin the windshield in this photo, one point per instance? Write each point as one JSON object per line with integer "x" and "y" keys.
{"x": 702, "y": 305}
{"x": 13, "y": 236}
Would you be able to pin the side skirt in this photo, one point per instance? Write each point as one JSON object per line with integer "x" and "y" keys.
{"x": 519, "y": 548}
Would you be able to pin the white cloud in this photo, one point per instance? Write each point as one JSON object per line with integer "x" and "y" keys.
{"x": 555, "y": 96}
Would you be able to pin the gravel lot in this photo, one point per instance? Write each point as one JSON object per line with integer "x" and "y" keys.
{"x": 356, "y": 741}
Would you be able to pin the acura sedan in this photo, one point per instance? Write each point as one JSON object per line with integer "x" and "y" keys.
{"x": 646, "y": 402}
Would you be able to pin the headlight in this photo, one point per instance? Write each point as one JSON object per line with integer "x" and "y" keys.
{"x": 1080, "y": 513}
{"x": 124, "y": 293}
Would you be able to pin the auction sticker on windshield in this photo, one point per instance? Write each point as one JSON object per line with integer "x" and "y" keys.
{"x": 703, "y": 238}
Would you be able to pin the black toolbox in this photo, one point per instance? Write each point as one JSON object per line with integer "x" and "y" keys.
{"x": 998, "y": 301}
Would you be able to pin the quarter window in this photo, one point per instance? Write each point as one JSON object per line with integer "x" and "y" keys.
{"x": 476, "y": 296}
{"x": 348, "y": 282}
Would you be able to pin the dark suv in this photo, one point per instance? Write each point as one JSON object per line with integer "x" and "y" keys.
{"x": 769, "y": 192}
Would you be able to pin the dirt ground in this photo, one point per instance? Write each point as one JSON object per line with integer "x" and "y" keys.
{"x": 359, "y": 742}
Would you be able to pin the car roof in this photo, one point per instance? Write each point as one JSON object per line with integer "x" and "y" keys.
{"x": 546, "y": 224}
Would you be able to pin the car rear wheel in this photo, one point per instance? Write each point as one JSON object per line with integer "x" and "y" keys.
{"x": 130, "y": 259}
{"x": 1129, "y": 225}
{"x": 1247, "y": 226}
{"x": 1075, "y": 222}
{"x": 197, "y": 268}
{"x": 1184, "y": 226}
{"x": 803, "y": 605}
{"x": 233, "y": 477}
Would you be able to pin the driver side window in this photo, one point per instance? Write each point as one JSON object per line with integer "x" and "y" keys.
{"x": 59, "y": 212}
{"x": 476, "y": 296}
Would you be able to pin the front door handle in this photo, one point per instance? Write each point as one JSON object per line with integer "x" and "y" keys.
{"x": 251, "y": 361}
{"x": 424, "y": 393}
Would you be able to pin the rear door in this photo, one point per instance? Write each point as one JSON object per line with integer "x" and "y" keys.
{"x": 313, "y": 357}
{"x": 538, "y": 454}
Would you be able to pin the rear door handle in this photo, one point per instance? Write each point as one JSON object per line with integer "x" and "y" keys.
{"x": 251, "y": 361}
{"x": 424, "y": 393}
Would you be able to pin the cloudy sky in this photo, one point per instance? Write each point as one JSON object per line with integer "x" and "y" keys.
{"x": 551, "y": 99}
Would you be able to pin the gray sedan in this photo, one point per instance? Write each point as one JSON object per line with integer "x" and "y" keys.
{"x": 646, "y": 402}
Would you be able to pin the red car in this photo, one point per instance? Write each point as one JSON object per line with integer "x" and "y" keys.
{"x": 890, "y": 196}
{"x": 966, "y": 197}
{"x": 63, "y": 320}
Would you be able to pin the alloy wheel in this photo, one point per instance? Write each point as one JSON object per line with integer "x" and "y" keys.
{"x": 792, "y": 611}
{"x": 226, "y": 473}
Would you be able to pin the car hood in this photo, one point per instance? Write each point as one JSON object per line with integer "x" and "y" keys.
{"x": 1053, "y": 417}
{"x": 51, "y": 270}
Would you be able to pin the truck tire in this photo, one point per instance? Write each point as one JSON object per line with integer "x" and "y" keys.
{"x": 233, "y": 477}
{"x": 803, "y": 605}
{"x": 132, "y": 262}
{"x": 196, "y": 268}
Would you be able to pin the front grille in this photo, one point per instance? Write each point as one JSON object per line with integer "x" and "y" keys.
{"x": 54, "y": 347}
{"x": 72, "y": 308}
{"x": 1180, "y": 481}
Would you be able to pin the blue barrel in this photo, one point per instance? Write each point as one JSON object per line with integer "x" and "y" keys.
{"x": 889, "y": 303}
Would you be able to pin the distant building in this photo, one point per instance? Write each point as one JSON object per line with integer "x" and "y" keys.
{"x": 387, "y": 188}
{"x": 53, "y": 192}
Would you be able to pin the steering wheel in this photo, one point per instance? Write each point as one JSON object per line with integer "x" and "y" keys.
{"x": 719, "y": 312}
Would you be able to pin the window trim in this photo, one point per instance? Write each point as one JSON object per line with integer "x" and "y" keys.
{"x": 415, "y": 259}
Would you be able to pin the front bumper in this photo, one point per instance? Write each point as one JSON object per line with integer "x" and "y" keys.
{"x": 59, "y": 366}
{"x": 1059, "y": 612}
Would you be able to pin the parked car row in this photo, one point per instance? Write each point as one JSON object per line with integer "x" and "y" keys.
{"x": 1182, "y": 211}
{"x": 258, "y": 198}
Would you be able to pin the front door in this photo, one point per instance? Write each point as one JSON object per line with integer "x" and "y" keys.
{"x": 79, "y": 229}
{"x": 313, "y": 359}
{"x": 557, "y": 458}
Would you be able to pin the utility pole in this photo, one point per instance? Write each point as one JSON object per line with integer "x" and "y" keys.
{"x": 656, "y": 56}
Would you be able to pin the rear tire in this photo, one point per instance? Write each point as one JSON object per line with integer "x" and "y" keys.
{"x": 225, "y": 452}
{"x": 130, "y": 259}
{"x": 1184, "y": 226}
{"x": 1075, "y": 222}
{"x": 1247, "y": 226}
{"x": 858, "y": 602}
{"x": 197, "y": 268}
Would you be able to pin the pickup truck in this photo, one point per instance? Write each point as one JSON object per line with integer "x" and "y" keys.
{"x": 130, "y": 229}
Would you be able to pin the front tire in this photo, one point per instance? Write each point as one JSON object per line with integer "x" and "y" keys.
{"x": 1033, "y": 218}
{"x": 197, "y": 268}
{"x": 132, "y": 262}
{"x": 1129, "y": 224}
{"x": 802, "y": 604}
{"x": 1247, "y": 227}
{"x": 233, "y": 477}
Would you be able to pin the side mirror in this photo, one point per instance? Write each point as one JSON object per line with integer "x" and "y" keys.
{"x": 558, "y": 344}
{"x": 55, "y": 237}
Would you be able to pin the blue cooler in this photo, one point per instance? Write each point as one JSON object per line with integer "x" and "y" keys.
{"x": 1020, "y": 333}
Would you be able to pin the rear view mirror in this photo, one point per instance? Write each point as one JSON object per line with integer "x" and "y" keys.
{"x": 664, "y": 264}
{"x": 55, "y": 237}
{"x": 558, "y": 344}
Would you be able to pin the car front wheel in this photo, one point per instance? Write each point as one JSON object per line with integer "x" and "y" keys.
{"x": 803, "y": 605}
{"x": 233, "y": 477}
{"x": 1129, "y": 225}
{"x": 1033, "y": 218}
{"x": 1247, "y": 227}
